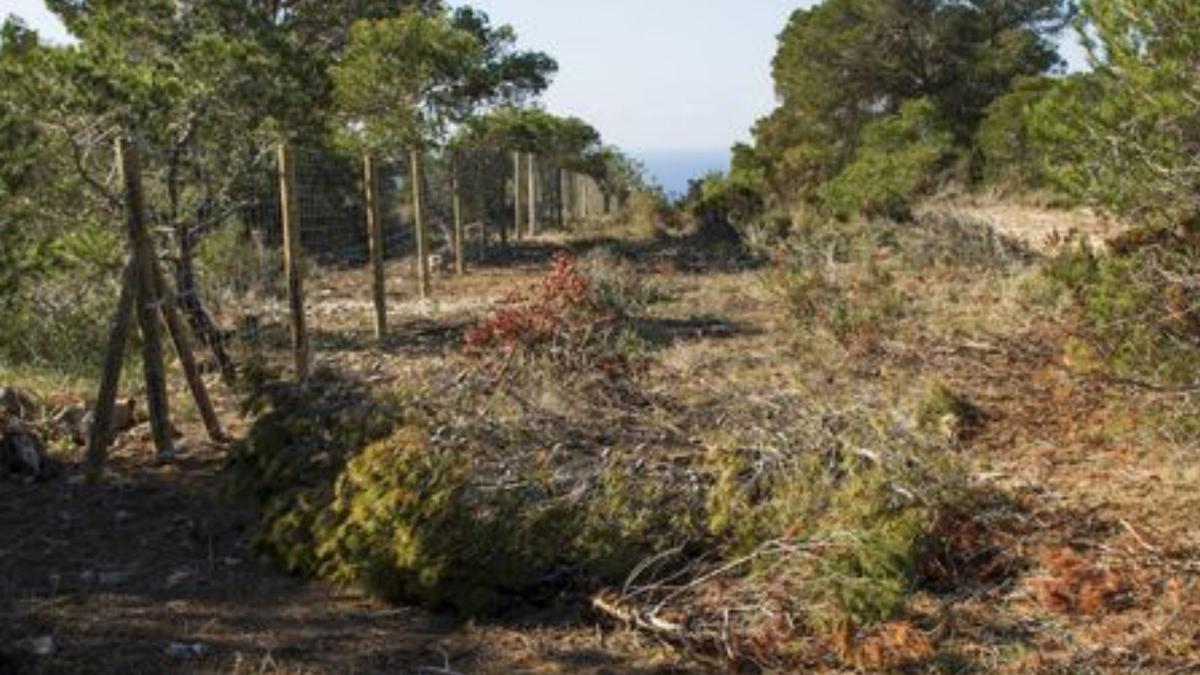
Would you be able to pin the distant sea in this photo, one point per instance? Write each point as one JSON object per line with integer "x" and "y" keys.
{"x": 672, "y": 169}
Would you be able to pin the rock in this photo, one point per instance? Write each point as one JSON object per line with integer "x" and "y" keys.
{"x": 73, "y": 421}
{"x": 183, "y": 650}
{"x": 39, "y": 646}
{"x": 76, "y": 421}
{"x": 22, "y": 452}
{"x": 17, "y": 403}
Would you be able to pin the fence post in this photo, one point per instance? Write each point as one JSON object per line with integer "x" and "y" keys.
{"x": 147, "y": 299}
{"x": 456, "y": 198}
{"x": 518, "y": 205}
{"x": 99, "y": 435}
{"x": 187, "y": 358}
{"x": 561, "y": 198}
{"x": 423, "y": 281}
{"x": 533, "y": 194}
{"x": 292, "y": 262}
{"x": 375, "y": 240}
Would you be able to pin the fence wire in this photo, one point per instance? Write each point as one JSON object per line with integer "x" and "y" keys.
{"x": 241, "y": 265}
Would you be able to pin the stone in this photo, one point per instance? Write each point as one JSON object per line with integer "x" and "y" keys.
{"x": 22, "y": 452}
{"x": 17, "y": 403}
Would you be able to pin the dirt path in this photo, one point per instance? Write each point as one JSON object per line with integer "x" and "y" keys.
{"x": 1039, "y": 228}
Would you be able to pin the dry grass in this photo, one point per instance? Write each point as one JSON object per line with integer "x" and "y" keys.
{"x": 1085, "y": 559}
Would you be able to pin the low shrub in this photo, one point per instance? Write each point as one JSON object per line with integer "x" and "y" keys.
{"x": 1140, "y": 307}
{"x": 617, "y": 283}
{"x": 857, "y": 307}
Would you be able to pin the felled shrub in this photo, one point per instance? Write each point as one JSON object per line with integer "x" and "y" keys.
{"x": 356, "y": 488}
{"x": 448, "y": 525}
{"x": 407, "y": 524}
{"x": 294, "y": 453}
{"x": 562, "y": 321}
{"x": 831, "y": 523}
{"x": 857, "y": 517}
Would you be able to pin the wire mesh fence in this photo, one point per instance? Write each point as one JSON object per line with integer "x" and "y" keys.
{"x": 489, "y": 197}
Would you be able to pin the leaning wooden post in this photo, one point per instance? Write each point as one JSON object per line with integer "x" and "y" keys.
{"x": 460, "y": 265}
{"x": 533, "y": 195}
{"x": 375, "y": 238}
{"x": 187, "y": 357}
{"x": 100, "y": 431}
{"x": 424, "y": 286}
{"x": 148, "y": 300}
{"x": 292, "y": 262}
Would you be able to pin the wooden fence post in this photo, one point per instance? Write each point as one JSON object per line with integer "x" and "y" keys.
{"x": 561, "y": 200}
{"x": 292, "y": 262}
{"x": 187, "y": 357}
{"x": 423, "y": 273}
{"x": 518, "y": 205}
{"x": 456, "y": 199}
{"x": 147, "y": 300}
{"x": 533, "y": 194}
{"x": 375, "y": 239}
{"x": 100, "y": 432}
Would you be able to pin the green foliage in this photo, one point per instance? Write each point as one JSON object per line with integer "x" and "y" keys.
{"x": 294, "y": 452}
{"x": 722, "y": 207}
{"x": 1141, "y": 307}
{"x": 1010, "y": 151}
{"x": 844, "y": 64}
{"x": 357, "y": 490}
{"x": 1127, "y": 135}
{"x": 398, "y": 83}
{"x": 899, "y": 159}
{"x": 861, "y": 499}
{"x": 406, "y": 525}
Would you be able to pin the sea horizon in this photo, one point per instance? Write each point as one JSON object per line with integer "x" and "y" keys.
{"x": 673, "y": 168}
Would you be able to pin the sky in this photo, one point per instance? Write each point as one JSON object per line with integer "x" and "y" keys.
{"x": 654, "y": 76}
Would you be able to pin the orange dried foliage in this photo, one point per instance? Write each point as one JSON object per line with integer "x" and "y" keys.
{"x": 1077, "y": 587}
{"x": 891, "y": 645}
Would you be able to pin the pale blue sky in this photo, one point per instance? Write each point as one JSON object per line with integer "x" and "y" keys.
{"x": 650, "y": 74}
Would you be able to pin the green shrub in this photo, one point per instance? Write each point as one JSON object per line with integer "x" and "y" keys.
{"x": 1011, "y": 153}
{"x": 58, "y": 317}
{"x": 855, "y": 503}
{"x": 900, "y": 158}
{"x": 722, "y": 207}
{"x": 1141, "y": 306}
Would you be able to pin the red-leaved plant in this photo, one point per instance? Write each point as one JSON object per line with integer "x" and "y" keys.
{"x": 559, "y": 317}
